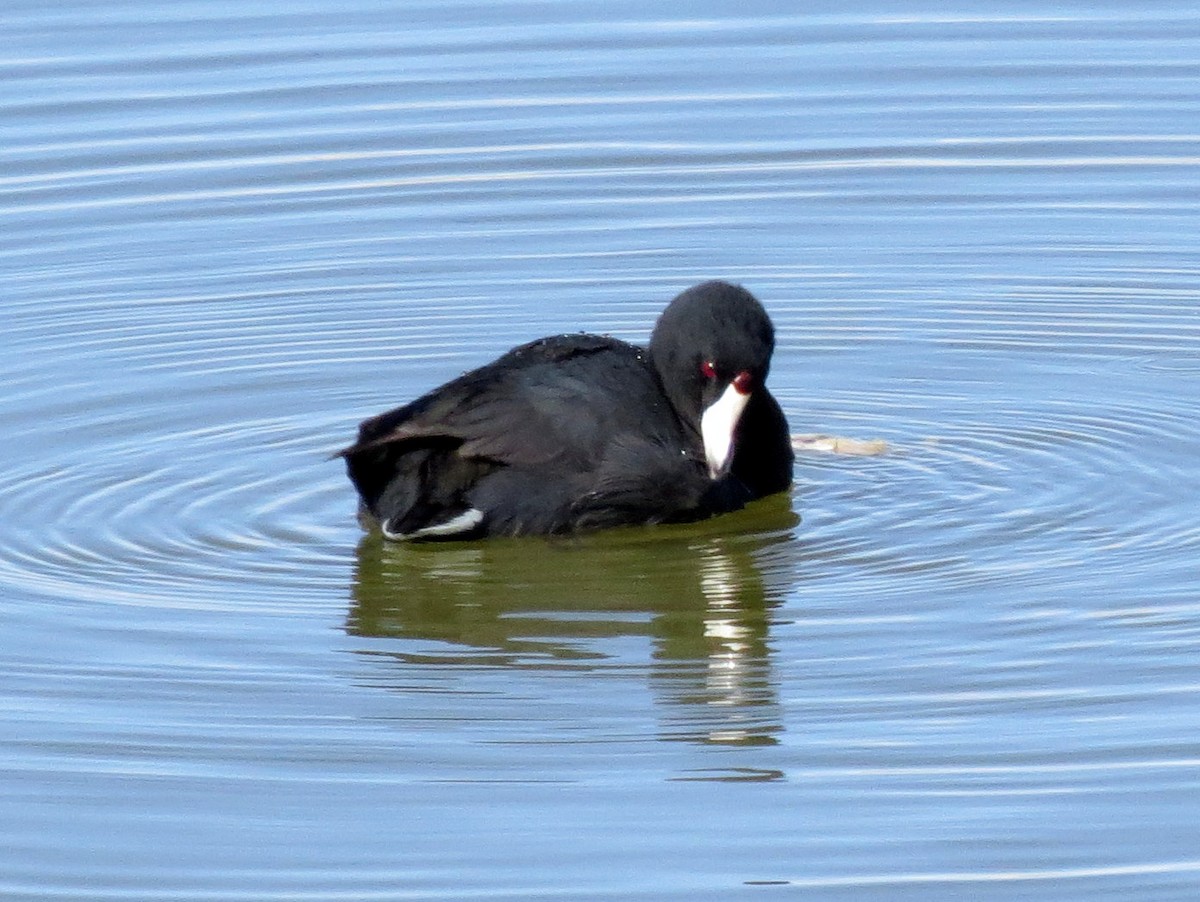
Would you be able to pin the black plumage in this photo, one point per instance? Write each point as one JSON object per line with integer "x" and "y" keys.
{"x": 579, "y": 432}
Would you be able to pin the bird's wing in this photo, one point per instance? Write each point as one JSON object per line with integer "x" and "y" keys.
{"x": 556, "y": 399}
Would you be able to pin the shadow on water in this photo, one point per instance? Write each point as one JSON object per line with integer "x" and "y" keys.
{"x": 702, "y": 594}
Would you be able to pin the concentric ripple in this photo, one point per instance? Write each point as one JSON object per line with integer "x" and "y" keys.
{"x": 181, "y": 477}
{"x": 231, "y": 231}
{"x": 169, "y": 519}
{"x": 1014, "y": 493}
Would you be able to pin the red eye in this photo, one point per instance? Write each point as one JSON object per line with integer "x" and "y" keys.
{"x": 743, "y": 382}
{"x": 708, "y": 370}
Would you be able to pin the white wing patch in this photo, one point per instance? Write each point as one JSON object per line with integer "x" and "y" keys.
{"x": 464, "y": 522}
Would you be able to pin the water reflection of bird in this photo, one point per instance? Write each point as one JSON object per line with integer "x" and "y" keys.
{"x": 578, "y": 432}
{"x": 701, "y": 596}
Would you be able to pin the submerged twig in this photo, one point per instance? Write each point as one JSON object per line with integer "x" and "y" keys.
{"x": 838, "y": 444}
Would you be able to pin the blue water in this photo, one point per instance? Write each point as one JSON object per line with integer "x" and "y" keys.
{"x": 963, "y": 669}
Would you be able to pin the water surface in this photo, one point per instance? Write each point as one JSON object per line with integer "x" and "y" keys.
{"x": 963, "y": 669}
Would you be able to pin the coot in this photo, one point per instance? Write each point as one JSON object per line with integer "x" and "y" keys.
{"x": 581, "y": 432}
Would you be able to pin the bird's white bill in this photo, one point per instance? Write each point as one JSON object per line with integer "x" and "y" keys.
{"x": 717, "y": 425}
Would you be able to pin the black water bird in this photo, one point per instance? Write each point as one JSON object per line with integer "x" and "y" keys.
{"x": 581, "y": 432}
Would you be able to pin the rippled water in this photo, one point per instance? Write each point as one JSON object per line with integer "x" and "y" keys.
{"x": 963, "y": 669}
